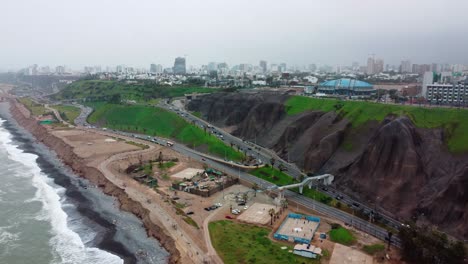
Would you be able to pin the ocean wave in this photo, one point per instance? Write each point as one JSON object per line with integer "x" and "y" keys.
{"x": 67, "y": 244}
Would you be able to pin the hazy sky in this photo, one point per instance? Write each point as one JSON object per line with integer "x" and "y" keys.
{"x": 137, "y": 33}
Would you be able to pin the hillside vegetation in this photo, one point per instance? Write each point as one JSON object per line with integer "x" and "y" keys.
{"x": 159, "y": 122}
{"x": 454, "y": 121}
{"x": 35, "y": 108}
{"x": 68, "y": 112}
{"x": 105, "y": 90}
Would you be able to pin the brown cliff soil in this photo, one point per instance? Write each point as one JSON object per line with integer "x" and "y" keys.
{"x": 409, "y": 169}
{"x": 65, "y": 152}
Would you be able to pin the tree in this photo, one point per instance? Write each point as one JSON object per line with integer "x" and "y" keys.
{"x": 426, "y": 245}
{"x": 272, "y": 213}
{"x": 245, "y": 196}
{"x": 255, "y": 187}
{"x": 272, "y": 162}
{"x": 338, "y": 106}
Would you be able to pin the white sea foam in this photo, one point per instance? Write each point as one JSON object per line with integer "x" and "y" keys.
{"x": 67, "y": 244}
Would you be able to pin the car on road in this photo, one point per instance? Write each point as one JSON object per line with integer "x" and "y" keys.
{"x": 339, "y": 197}
{"x": 203, "y": 159}
{"x": 207, "y": 209}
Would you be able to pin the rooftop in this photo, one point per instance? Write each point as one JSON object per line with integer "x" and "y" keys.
{"x": 345, "y": 82}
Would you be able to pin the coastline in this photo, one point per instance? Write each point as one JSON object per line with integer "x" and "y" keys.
{"x": 76, "y": 163}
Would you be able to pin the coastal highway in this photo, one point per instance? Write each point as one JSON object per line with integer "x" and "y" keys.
{"x": 233, "y": 170}
{"x": 265, "y": 155}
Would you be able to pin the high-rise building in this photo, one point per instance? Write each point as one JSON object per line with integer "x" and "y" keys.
{"x": 428, "y": 79}
{"x": 370, "y": 66}
{"x": 159, "y": 68}
{"x": 405, "y": 66}
{"x": 312, "y": 67}
{"x": 153, "y": 68}
{"x": 179, "y": 66}
{"x": 421, "y": 68}
{"x": 263, "y": 65}
{"x": 212, "y": 66}
{"x": 435, "y": 67}
{"x": 120, "y": 68}
{"x": 379, "y": 66}
{"x": 60, "y": 69}
{"x": 282, "y": 67}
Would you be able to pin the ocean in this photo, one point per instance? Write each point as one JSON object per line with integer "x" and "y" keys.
{"x": 49, "y": 215}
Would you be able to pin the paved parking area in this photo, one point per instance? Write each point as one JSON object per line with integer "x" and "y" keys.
{"x": 257, "y": 213}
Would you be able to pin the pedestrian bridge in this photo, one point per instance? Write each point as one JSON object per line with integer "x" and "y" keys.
{"x": 327, "y": 180}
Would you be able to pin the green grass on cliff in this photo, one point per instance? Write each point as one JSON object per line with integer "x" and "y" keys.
{"x": 68, "y": 112}
{"x": 114, "y": 91}
{"x": 35, "y": 108}
{"x": 454, "y": 121}
{"x": 272, "y": 175}
{"x": 159, "y": 122}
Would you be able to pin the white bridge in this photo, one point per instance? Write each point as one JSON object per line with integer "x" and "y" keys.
{"x": 327, "y": 180}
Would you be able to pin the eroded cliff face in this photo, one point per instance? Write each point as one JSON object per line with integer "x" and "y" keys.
{"x": 409, "y": 169}
{"x": 65, "y": 152}
{"x": 413, "y": 175}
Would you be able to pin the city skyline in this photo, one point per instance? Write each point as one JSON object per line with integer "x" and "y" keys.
{"x": 332, "y": 32}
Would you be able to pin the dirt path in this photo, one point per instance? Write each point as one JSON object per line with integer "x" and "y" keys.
{"x": 206, "y": 232}
{"x": 190, "y": 252}
{"x": 57, "y": 114}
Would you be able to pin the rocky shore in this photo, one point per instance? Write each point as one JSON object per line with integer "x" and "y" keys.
{"x": 65, "y": 152}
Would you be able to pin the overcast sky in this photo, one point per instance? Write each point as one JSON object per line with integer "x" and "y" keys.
{"x": 137, "y": 32}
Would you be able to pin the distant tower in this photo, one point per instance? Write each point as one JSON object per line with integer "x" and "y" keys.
{"x": 263, "y": 66}
{"x": 179, "y": 66}
{"x": 371, "y": 65}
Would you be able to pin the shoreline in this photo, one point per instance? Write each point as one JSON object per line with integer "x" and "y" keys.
{"x": 78, "y": 166}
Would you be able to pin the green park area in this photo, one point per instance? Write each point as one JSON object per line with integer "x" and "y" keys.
{"x": 453, "y": 120}
{"x": 35, "y": 108}
{"x": 156, "y": 121}
{"x": 115, "y": 91}
{"x": 342, "y": 235}
{"x": 68, "y": 112}
{"x": 272, "y": 175}
{"x": 244, "y": 243}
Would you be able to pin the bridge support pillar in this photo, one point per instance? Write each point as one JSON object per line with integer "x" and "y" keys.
{"x": 300, "y": 189}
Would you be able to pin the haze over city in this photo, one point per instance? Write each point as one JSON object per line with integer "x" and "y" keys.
{"x": 137, "y": 33}
{"x": 222, "y": 131}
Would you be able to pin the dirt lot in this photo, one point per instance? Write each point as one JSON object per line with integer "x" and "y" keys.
{"x": 346, "y": 255}
{"x": 92, "y": 146}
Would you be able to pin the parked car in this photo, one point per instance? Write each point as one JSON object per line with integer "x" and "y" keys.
{"x": 229, "y": 217}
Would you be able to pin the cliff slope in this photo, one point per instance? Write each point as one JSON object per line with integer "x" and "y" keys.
{"x": 405, "y": 169}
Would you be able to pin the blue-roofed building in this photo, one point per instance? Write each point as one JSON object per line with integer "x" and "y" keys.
{"x": 348, "y": 87}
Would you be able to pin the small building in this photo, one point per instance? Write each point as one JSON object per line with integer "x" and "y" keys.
{"x": 307, "y": 250}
